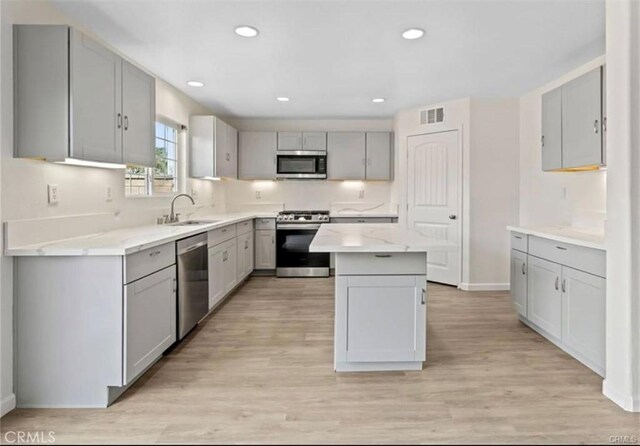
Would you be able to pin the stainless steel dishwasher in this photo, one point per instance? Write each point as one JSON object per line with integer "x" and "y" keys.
{"x": 193, "y": 282}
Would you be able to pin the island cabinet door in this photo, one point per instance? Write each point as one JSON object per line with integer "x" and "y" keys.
{"x": 381, "y": 318}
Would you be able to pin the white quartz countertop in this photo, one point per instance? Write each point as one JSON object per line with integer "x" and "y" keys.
{"x": 566, "y": 234}
{"x": 374, "y": 237}
{"x": 129, "y": 240}
{"x": 350, "y": 214}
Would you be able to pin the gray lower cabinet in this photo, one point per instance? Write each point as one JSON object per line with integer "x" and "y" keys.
{"x": 583, "y": 314}
{"x": 371, "y": 316}
{"x": 572, "y": 124}
{"x": 346, "y": 155}
{"x": 149, "y": 320}
{"x": 562, "y": 296}
{"x": 74, "y": 98}
{"x": 223, "y": 271}
{"x": 245, "y": 255}
{"x": 544, "y": 295}
{"x": 519, "y": 281}
{"x": 257, "y": 155}
{"x": 265, "y": 249}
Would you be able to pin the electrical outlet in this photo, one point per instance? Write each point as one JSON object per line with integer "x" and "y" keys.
{"x": 108, "y": 193}
{"x": 361, "y": 194}
{"x": 194, "y": 193}
{"x": 258, "y": 194}
{"x": 52, "y": 191}
{"x": 565, "y": 193}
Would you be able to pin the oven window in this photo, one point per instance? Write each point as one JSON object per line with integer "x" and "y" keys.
{"x": 297, "y": 164}
{"x": 293, "y": 249}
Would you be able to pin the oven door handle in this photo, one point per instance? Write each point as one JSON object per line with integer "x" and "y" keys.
{"x": 298, "y": 226}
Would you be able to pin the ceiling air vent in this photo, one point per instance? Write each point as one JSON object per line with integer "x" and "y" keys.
{"x": 432, "y": 116}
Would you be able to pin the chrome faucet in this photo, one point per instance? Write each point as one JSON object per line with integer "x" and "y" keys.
{"x": 173, "y": 217}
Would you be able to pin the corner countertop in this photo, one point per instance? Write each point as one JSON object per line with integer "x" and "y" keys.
{"x": 129, "y": 240}
{"x": 374, "y": 237}
{"x": 363, "y": 214}
{"x": 566, "y": 234}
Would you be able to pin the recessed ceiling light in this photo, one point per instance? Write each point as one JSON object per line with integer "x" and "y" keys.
{"x": 377, "y": 100}
{"x": 283, "y": 99}
{"x": 413, "y": 33}
{"x": 247, "y": 31}
{"x": 195, "y": 84}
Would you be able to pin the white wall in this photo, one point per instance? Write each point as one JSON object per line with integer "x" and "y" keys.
{"x": 622, "y": 383}
{"x": 555, "y": 198}
{"x": 81, "y": 190}
{"x": 488, "y": 131}
{"x": 310, "y": 194}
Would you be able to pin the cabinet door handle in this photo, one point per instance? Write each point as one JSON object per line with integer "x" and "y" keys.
{"x": 557, "y": 283}
{"x": 524, "y": 270}
{"x": 604, "y": 124}
{"x": 273, "y": 240}
{"x": 595, "y": 126}
{"x": 119, "y": 121}
{"x": 126, "y": 123}
{"x": 228, "y": 156}
{"x": 423, "y": 300}
{"x": 175, "y": 284}
{"x": 542, "y": 140}
{"x": 564, "y": 285}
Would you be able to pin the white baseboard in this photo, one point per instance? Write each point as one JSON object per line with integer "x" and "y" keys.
{"x": 629, "y": 403}
{"x": 484, "y": 286}
{"x": 7, "y": 404}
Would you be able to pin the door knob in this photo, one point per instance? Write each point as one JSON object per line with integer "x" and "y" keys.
{"x": 452, "y": 217}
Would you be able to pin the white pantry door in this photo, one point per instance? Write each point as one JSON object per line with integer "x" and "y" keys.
{"x": 433, "y": 199}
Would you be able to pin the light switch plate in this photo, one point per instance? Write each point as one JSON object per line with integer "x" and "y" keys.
{"x": 108, "y": 193}
{"x": 258, "y": 194}
{"x": 52, "y": 191}
{"x": 361, "y": 194}
{"x": 194, "y": 193}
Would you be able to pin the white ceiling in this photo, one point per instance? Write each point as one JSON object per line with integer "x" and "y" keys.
{"x": 333, "y": 57}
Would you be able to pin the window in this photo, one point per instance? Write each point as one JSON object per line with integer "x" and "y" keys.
{"x": 163, "y": 179}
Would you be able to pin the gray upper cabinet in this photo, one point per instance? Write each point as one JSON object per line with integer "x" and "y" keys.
{"x": 96, "y": 95}
{"x": 138, "y": 109}
{"x": 315, "y": 141}
{"x": 582, "y": 121}
{"x": 378, "y": 156}
{"x": 69, "y": 93}
{"x": 551, "y": 139}
{"x": 289, "y": 140}
{"x": 346, "y": 155}
{"x": 213, "y": 149}
{"x": 312, "y": 141}
{"x": 257, "y": 155}
{"x": 572, "y": 124}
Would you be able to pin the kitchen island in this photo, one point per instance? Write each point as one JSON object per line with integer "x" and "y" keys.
{"x": 381, "y": 294}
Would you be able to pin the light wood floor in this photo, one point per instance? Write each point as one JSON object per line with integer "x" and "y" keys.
{"x": 260, "y": 371}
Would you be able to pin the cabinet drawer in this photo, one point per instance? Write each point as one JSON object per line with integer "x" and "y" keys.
{"x": 357, "y": 263}
{"x": 219, "y": 235}
{"x": 244, "y": 227}
{"x": 584, "y": 259}
{"x": 148, "y": 261}
{"x": 519, "y": 241}
{"x": 361, "y": 220}
{"x": 265, "y": 223}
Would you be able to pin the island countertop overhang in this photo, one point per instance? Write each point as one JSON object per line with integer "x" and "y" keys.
{"x": 374, "y": 237}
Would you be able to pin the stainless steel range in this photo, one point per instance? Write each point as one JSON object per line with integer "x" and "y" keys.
{"x": 294, "y": 232}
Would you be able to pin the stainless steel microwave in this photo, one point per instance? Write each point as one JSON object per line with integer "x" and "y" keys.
{"x": 303, "y": 164}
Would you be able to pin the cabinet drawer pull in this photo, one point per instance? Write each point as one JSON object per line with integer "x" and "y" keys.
{"x": 557, "y": 283}
{"x": 155, "y": 253}
{"x": 519, "y": 237}
{"x": 361, "y": 221}
{"x": 126, "y": 123}
{"x": 383, "y": 256}
{"x": 223, "y": 230}
{"x": 561, "y": 248}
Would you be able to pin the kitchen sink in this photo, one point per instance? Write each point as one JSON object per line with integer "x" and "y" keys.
{"x": 194, "y": 222}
